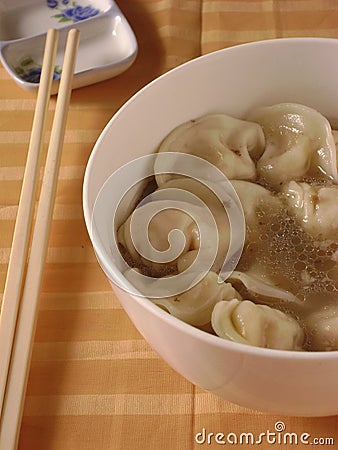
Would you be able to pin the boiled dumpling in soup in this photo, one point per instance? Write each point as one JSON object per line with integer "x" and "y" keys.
{"x": 156, "y": 236}
{"x": 322, "y": 328}
{"x": 195, "y": 305}
{"x": 167, "y": 224}
{"x": 211, "y": 201}
{"x": 299, "y": 144}
{"x": 283, "y": 166}
{"x": 315, "y": 207}
{"x": 258, "y": 285}
{"x": 259, "y": 325}
{"x": 255, "y": 198}
{"x": 230, "y": 144}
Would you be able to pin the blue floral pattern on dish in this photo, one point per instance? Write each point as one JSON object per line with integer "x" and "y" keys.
{"x": 71, "y": 11}
{"x": 30, "y": 71}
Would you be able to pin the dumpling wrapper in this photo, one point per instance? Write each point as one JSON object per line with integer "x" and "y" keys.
{"x": 230, "y": 144}
{"x": 257, "y": 325}
{"x": 253, "y": 198}
{"x": 315, "y": 207}
{"x": 259, "y": 285}
{"x": 299, "y": 143}
{"x": 195, "y": 305}
{"x": 218, "y": 212}
{"x": 157, "y": 235}
{"x": 322, "y": 328}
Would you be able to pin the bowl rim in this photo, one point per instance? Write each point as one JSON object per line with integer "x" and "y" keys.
{"x": 235, "y": 347}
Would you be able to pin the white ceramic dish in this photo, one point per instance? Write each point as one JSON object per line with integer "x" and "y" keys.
{"x": 107, "y": 43}
{"x": 233, "y": 81}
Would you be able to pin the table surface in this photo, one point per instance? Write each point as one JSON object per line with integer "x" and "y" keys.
{"x": 94, "y": 382}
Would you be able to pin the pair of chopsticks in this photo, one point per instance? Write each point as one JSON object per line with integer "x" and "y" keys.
{"x": 25, "y": 269}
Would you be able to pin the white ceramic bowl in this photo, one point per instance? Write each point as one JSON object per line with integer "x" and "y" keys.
{"x": 232, "y": 81}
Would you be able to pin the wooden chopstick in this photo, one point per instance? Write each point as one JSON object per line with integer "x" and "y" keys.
{"x": 18, "y": 256}
{"x": 25, "y": 330}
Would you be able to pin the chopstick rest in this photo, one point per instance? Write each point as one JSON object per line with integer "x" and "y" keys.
{"x": 27, "y": 314}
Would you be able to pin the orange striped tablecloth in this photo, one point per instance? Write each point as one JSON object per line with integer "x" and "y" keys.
{"x": 94, "y": 383}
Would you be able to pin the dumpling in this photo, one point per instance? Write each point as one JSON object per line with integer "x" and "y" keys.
{"x": 167, "y": 224}
{"x": 315, "y": 207}
{"x": 195, "y": 305}
{"x": 230, "y": 144}
{"x": 217, "y": 210}
{"x": 257, "y": 325}
{"x": 259, "y": 285}
{"x": 254, "y": 199}
{"x": 299, "y": 143}
{"x": 322, "y": 329}
{"x": 143, "y": 240}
